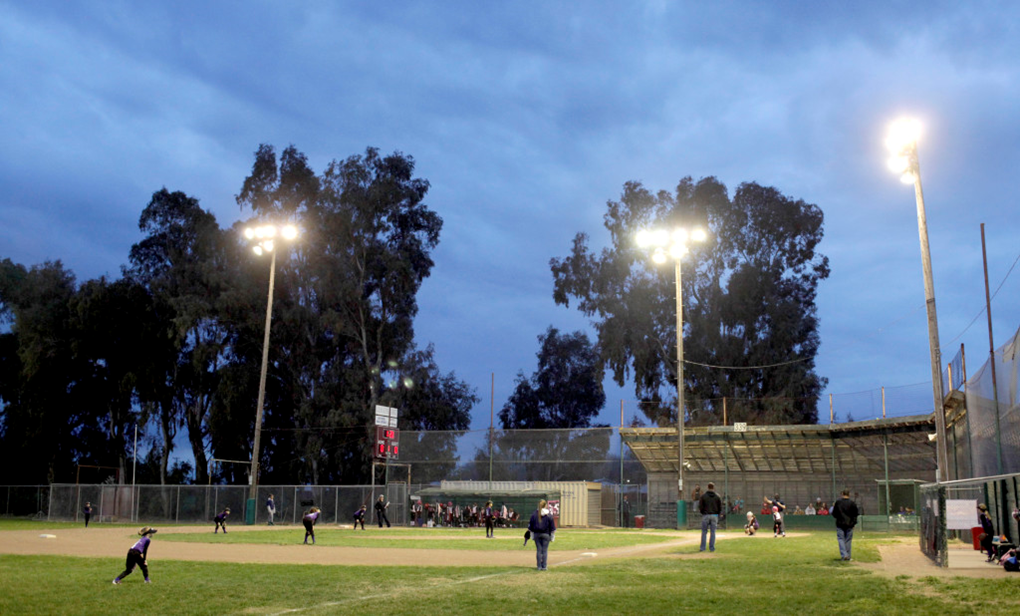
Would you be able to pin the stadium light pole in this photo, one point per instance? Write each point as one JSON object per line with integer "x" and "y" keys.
{"x": 264, "y": 238}
{"x": 665, "y": 245}
{"x": 902, "y": 143}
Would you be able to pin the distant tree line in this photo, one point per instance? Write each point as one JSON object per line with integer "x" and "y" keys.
{"x": 175, "y": 344}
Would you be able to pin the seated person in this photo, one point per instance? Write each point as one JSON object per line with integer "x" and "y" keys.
{"x": 810, "y": 510}
{"x": 799, "y": 511}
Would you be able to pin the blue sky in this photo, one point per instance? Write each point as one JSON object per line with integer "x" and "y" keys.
{"x": 526, "y": 117}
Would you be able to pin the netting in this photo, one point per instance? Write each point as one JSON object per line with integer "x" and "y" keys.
{"x": 992, "y": 438}
{"x": 196, "y": 504}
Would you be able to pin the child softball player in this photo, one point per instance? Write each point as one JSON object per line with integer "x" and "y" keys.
{"x": 309, "y": 521}
{"x": 221, "y": 521}
{"x": 138, "y": 555}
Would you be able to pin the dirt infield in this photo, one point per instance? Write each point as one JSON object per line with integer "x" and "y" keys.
{"x": 114, "y": 542}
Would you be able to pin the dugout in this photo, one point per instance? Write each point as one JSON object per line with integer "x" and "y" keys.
{"x": 522, "y": 502}
{"x": 801, "y": 463}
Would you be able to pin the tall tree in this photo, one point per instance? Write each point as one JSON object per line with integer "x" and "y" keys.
{"x": 47, "y": 424}
{"x": 751, "y": 326}
{"x": 181, "y": 261}
{"x": 566, "y": 389}
{"x": 544, "y": 420}
{"x": 348, "y": 290}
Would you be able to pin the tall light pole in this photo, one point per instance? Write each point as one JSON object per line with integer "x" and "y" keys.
{"x": 265, "y": 241}
{"x": 666, "y": 245}
{"x": 902, "y": 142}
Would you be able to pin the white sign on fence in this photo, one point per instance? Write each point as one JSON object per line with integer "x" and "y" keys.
{"x": 740, "y": 426}
{"x": 961, "y": 514}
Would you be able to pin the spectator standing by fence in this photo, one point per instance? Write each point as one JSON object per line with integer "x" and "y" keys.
{"x": 845, "y": 511}
{"x": 625, "y": 512}
{"x": 710, "y": 506}
{"x": 87, "y": 512}
{"x": 271, "y": 509}
{"x": 988, "y": 531}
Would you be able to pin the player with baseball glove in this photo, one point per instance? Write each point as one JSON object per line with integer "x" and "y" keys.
{"x": 138, "y": 555}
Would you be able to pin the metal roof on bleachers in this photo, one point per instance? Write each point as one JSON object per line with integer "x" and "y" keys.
{"x": 858, "y": 447}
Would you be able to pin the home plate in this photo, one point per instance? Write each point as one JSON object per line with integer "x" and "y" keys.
{"x": 47, "y": 536}
{"x": 589, "y": 554}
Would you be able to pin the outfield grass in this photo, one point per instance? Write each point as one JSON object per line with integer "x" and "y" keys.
{"x": 796, "y": 575}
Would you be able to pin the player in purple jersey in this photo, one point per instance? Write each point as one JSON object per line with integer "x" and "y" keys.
{"x": 221, "y": 521}
{"x": 138, "y": 555}
{"x": 309, "y": 521}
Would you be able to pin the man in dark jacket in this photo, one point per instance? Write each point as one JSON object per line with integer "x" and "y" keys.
{"x": 845, "y": 511}
{"x": 710, "y": 506}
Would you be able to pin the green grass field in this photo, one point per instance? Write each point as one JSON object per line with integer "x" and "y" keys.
{"x": 796, "y": 575}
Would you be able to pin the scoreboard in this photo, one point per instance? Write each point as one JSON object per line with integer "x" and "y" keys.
{"x": 387, "y": 443}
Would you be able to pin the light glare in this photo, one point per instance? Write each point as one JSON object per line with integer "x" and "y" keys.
{"x": 257, "y": 250}
{"x": 289, "y": 232}
{"x": 699, "y": 235}
{"x": 659, "y": 256}
{"x": 903, "y": 133}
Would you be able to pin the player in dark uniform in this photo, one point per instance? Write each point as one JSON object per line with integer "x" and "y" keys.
{"x": 221, "y": 521}
{"x": 380, "y": 511}
{"x": 490, "y": 521}
{"x": 138, "y": 555}
{"x": 309, "y": 521}
{"x": 359, "y": 516}
{"x": 87, "y": 511}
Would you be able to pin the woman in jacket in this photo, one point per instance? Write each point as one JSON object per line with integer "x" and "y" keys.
{"x": 988, "y": 531}
{"x": 543, "y": 528}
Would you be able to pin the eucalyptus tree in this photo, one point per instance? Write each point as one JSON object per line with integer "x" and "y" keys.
{"x": 344, "y": 311}
{"x": 751, "y": 325}
{"x": 182, "y": 263}
{"x": 45, "y": 421}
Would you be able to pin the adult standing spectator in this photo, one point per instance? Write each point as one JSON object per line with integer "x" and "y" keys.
{"x": 271, "y": 509}
{"x": 988, "y": 531}
{"x": 87, "y": 512}
{"x": 625, "y": 512}
{"x": 543, "y": 529}
{"x": 710, "y": 506}
{"x": 380, "y": 511}
{"x": 845, "y": 511}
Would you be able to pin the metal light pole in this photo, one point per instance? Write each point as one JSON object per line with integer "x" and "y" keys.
{"x": 902, "y": 142}
{"x": 674, "y": 244}
{"x": 265, "y": 236}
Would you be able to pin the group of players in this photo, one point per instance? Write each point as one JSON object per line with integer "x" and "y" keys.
{"x": 466, "y": 516}
{"x": 438, "y": 514}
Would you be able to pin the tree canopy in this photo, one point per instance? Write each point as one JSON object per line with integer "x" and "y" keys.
{"x": 750, "y": 319}
{"x": 176, "y": 344}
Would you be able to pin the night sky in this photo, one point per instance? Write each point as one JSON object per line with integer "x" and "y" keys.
{"x": 526, "y": 117}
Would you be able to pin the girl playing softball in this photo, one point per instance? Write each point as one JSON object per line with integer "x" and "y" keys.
{"x": 138, "y": 555}
{"x": 309, "y": 521}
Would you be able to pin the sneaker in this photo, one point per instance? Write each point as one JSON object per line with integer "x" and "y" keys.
{"x": 147, "y": 581}
{"x": 116, "y": 582}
